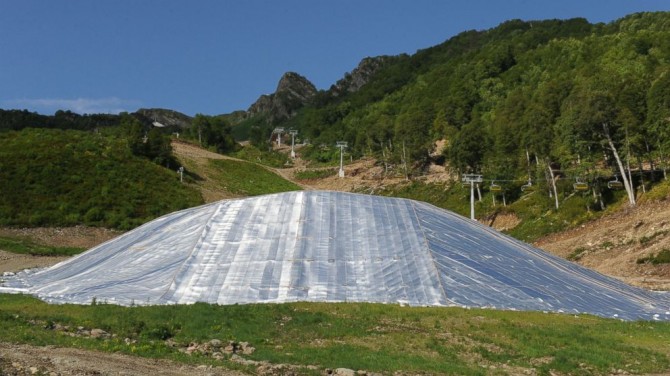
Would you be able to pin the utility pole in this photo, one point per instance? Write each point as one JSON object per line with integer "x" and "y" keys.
{"x": 293, "y": 132}
{"x": 342, "y": 145}
{"x": 181, "y": 173}
{"x": 278, "y": 131}
{"x": 472, "y": 179}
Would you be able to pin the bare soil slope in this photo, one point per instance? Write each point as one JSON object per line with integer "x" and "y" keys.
{"x": 613, "y": 244}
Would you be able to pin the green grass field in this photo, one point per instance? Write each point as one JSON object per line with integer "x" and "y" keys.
{"x": 372, "y": 337}
{"x": 249, "y": 179}
{"x": 27, "y": 247}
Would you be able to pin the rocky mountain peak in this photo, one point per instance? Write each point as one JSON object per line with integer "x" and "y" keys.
{"x": 163, "y": 116}
{"x": 293, "y": 92}
{"x": 354, "y": 80}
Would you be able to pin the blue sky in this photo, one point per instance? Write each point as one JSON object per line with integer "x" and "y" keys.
{"x": 217, "y": 56}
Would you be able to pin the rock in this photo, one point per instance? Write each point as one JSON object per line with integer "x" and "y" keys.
{"x": 344, "y": 372}
{"x": 215, "y": 343}
{"x": 246, "y": 348}
{"x": 293, "y": 92}
{"x": 33, "y": 370}
{"x": 361, "y": 75}
{"x": 240, "y": 360}
{"x": 98, "y": 333}
{"x": 192, "y": 347}
{"x": 230, "y": 348}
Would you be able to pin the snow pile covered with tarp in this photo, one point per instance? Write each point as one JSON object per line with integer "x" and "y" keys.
{"x": 331, "y": 247}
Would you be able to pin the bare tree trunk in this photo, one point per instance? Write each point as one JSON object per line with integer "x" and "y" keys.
{"x": 650, "y": 159}
{"x": 404, "y": 160}
{"x": 553, "y": 183}
{"x": 630, "y": 173}
{"x": 625, "y": 177}
{"x": 663, "y": 161}
{"x": 639, "y": 163}
{"x": 386, "y": 166}
{"x": 600, "y": 195}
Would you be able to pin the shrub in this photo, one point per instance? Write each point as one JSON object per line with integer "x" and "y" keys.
{"x": 663, "y": 257}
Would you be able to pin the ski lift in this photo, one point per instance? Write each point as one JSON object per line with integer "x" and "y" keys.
{"x": 580, "y": 186}
{"x": 615, "y": 184}
{"x": 528, "y": 187}
{"x": 495, "y": 187}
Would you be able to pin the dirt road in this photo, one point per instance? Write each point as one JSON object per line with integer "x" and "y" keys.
{"x": 49, "y": 360}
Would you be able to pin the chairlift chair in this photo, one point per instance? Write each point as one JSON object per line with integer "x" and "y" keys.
{"x": 528, "y": 187}
{"x": 580, "y": 186}
{"x": 495, "y": 188}
{"x": 615, "y": 184}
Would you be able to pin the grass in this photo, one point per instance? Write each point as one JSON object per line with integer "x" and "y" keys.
{"x": 649, "y": 238}
{"x": 249, "y": 179}
{"x": 268, "y": 158}
{"x": 315, "y": 174}
{"x": 23, "y": 246}
{"x": 536, "y": 210}
{"x": 663, "y": 257}
{"x": 373, "y": 337}
{"x": 577, "y": 254}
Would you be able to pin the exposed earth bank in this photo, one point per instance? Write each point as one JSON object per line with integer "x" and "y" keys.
{"x": 617, "y": 244}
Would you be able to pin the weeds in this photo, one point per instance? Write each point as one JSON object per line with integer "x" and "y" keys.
{"x": 577, "y": 254}
{"x": 648, "y": 238}
{"x": 663, "y": 257}
{"x": 315, "y": 174}
{"x": 23, "y": 246}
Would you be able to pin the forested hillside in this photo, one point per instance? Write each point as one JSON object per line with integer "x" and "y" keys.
{"x": 520, "y": 103}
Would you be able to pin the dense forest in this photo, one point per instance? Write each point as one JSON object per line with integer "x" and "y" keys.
{"x": 525, "y": 103}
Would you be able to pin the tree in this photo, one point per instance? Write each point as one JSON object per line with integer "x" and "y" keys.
{"x": 214, "y": 131}
{"x": 468, "y": 148}
{"x": 590, "y": 114}
{"x": 658, "y": 116}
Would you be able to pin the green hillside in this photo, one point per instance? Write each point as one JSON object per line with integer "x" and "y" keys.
{"x": 69, "y": 177}
{"x": 518, "y": 102}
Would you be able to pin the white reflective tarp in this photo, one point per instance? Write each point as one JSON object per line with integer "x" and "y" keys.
{"x": 331, "y": 247}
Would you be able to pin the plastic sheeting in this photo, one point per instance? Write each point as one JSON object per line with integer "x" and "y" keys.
{"x": 331, "y": 247}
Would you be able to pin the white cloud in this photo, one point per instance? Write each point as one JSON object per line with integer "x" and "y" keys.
{"x": 111, "y": 105}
